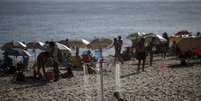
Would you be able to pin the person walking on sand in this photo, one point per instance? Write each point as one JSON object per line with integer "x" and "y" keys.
{"x": 120, "y": 44}
{"x": 140, "y": 54}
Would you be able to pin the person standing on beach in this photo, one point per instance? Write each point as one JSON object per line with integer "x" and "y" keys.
{"x": 165, "y": 47}
{"x": 119, "y": 48}
{"x": 115, "y": 45}
{"x": 54, "y": 55}
{"x": 150, "y": 51}
{"x": 140, "y": 54}
{"x": 120, "y": 44}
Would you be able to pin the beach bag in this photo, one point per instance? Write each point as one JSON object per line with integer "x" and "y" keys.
{"x": 50, "y": 75}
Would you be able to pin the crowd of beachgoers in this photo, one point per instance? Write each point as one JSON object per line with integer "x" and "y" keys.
{"x": 140, "y": 72}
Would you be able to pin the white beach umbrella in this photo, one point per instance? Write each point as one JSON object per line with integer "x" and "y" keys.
{"x": 62, "y": 47}
{"x": 157, "y": 39}
{"x": 35, "y": 45}
{"x": 16, "y": 52}
{"x": 16, "y": 44}
{"x": 134, "y": 36}
{"x": 78, "y": 43}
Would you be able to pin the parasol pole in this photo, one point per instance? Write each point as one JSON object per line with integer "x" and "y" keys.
{"x": 101, "y": 79}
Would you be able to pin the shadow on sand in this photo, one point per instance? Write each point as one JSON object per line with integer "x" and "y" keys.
{"x": 127, "y": 75}
{"x": 181, "y": 66}
{"x": 30, "y": 82}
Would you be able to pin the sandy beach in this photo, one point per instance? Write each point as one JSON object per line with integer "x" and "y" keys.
{"x": 164, "y": 81}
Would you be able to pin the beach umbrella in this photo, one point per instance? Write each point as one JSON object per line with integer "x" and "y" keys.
{"x": 162, "y": 39}
{"x": 136, "y": 35}
{"x": 78, "y": 43}
{"x": 184, "y": 32}
{"x": 16, "y": 52}
{"x": 59, "y": 46}
{"x": 65, "y": 42}
{"x": 157, "y": 39}
{"x": 62, "y": 47}
{"x": 16, "y": 44}
{"x": 100, "y": 43}
{"x": 35, "y": 45}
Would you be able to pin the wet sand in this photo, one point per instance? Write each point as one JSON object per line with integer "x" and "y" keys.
{"x": 164, "y": 81}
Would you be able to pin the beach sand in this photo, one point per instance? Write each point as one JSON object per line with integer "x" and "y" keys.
{"x": 157, "y": 83}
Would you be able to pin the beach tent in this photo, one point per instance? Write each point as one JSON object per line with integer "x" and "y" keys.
{"x": 189, "y": 44}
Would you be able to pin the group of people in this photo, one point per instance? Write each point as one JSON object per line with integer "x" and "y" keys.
{"x": 117, "y": 44}
{"x": 138, "y": 51}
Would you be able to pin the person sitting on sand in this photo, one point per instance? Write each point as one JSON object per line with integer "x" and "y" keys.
{"x": 127, "y": 54}
{"x": 89, "y": 61}
{"x": 140, "y": 54}
{"x": 76, "y": 61}
{"x": 7, "y": 62}
{"x": 68, "y": 66}
{"x": 98, "y": 55}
